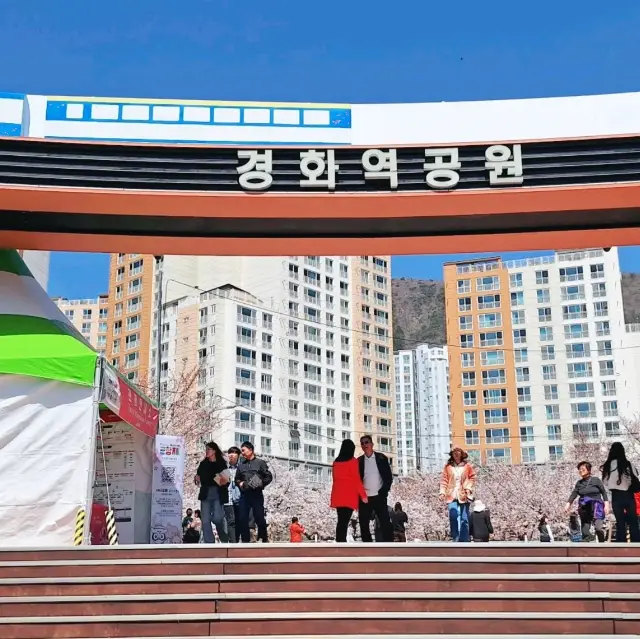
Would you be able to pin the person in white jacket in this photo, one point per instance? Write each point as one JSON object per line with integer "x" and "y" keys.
{"x": 620, "y": 477}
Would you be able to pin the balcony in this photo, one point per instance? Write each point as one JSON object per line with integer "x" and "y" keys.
{"x": 246, "y": 339}
{"x": 246, "y": 319}
{"x": 245, "y": 381}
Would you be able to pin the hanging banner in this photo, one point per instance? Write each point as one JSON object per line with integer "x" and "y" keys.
{"x": 127, "y": 404}
{"x": 167, "y": 490}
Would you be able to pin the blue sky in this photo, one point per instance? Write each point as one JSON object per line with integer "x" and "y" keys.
{"x": 290, "y": 51}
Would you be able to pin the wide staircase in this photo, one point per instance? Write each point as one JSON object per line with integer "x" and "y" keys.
{"x": 322, "y": 590}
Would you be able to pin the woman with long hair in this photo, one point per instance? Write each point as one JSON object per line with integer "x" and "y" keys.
{"x": 213, "y": 478}
{"x": 457, "y": 487}
{"x": 621, "y": 478}
{"x": 347, "y": 487}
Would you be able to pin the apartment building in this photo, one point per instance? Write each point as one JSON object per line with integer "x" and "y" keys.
{"x": 130, "y": 313}
{"x": 89, "y": 316}
{"x": 330, "y": 340}
{"x": 536, "y": 351}
{"x": 422, "y": 410}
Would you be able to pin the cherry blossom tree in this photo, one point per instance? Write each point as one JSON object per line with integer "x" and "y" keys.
{"x": 186, "y": 411}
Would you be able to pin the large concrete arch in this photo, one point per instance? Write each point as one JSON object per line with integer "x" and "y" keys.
{"x": 170, "y": 176}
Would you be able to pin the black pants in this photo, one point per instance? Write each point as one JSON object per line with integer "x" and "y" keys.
{"x": 624, "y": 509}
{"x": 586, "y": 518}
{"x": 232, "y": 515}
{"x": 344, "y": 517}
{"x": 252, "y": 500}
{"x": 376, "y": 505}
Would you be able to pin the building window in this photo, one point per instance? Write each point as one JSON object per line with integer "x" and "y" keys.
{"x": 464, "y": 286}
{"x": 466, "y": 322}
{"x": 496, "y": 416}
{"x": 552, "y": 411}
{"x": 515, "y": 280}
{"x": 520, "y": 336}
{"x": 546, "y": 334}
{"x": 542, "y": 277}
{"x": 543, "y": 296}
{"x": 612, "y": 429}
{"x": 554, "y": 432}
{"x": 525, "y": 414}
{"x": 470, "y": 398}
{"x": 555, "y": 453}
{"x": 526, "y": 434}
{"x": 548, "y": 353}
{"x": 466, "y": 341}
{"x": 597, "y": 271}
{"x": 517, "y": 299}
{"x": 517, "y": 317}
{"x": 524, "y": 394}
{"x": 468, "y": 360}
{"x": 571, "y": 274}
{"x": 549, "y": 371}
{"x": 544, "y": 315}
{"x": 528, "y": 455}
{"x": 472, "y": 437}
{"x": 497, "y": 455}
{"x": 471, "y": 418}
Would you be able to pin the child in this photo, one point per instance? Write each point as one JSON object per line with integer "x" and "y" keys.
{"x": 480, "y": 523}
{"x": 296, "y": 530}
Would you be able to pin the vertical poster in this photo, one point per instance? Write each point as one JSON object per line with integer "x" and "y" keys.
{"x": 115, "y": 476}
{"x": 167, "y": 490}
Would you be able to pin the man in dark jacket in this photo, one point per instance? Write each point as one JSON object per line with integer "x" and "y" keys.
{"x": 375, "y": 471}
{"x": 252, "y": 477}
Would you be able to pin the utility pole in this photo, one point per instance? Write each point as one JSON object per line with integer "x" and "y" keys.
{"x": 158, "y": 259}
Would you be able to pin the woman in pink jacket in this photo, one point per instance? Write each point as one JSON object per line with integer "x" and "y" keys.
{"x": 457, "y": 487}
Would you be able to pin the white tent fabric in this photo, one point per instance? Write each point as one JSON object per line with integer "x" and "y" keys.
{"x": 46, "y": 457}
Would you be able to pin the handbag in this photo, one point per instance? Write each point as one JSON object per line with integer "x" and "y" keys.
{"x": 635, "y": 483}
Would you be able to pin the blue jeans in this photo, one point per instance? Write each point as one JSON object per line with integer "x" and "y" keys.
{"x": 459, "y": 520}
{"x": 212, "y": 512}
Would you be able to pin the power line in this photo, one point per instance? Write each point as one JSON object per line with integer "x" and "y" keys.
{"x": 414, "y": 342}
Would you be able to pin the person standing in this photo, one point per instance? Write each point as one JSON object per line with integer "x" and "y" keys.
{"x": 621, "y": 478}
{"x": 457, "y": 486}
{"x": 252, "y": 477}
{"x": 347, "y": 487}
{"x": 399, "y": 520}
{"x": 593, "y": 502}
{"x": 232, "y": 508}
{"x": 213, "y": 478}
{"x": 480, "y": 526}
{"x": 296, "y": 530}
{"x": 376, "y": 475}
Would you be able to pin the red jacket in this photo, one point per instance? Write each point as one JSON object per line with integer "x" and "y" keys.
{"x": 347, "y": 489}
{"x": 295, "y": 533}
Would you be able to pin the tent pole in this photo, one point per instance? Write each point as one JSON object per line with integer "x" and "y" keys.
{"x": 93, "y": 446}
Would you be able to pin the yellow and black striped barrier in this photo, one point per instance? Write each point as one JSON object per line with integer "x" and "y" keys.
{"x": 78, "y": 534}
{"x": 112, "y": 531}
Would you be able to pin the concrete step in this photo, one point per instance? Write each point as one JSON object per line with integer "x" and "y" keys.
{"x": 270, "y": 583}
{"x": 237, "y": 551}
{"x": 314, "y": 602}
{"x": 472, "y": 564}
{"x": 323, "y": 623}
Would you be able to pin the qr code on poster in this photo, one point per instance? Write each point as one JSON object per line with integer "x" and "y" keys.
{"x": 168, "y": 475}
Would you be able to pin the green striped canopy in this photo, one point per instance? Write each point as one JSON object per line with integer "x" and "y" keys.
{"x": 36, "y": 339}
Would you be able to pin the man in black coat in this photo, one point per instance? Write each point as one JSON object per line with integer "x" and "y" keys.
{"x": 252, "y": 477}
{"x": 375, "y": 471}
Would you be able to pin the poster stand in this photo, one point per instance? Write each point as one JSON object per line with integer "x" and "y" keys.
{"x": 126, "y": 428}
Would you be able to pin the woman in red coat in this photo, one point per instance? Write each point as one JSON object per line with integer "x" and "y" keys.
{"x": 347, "y": 487}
